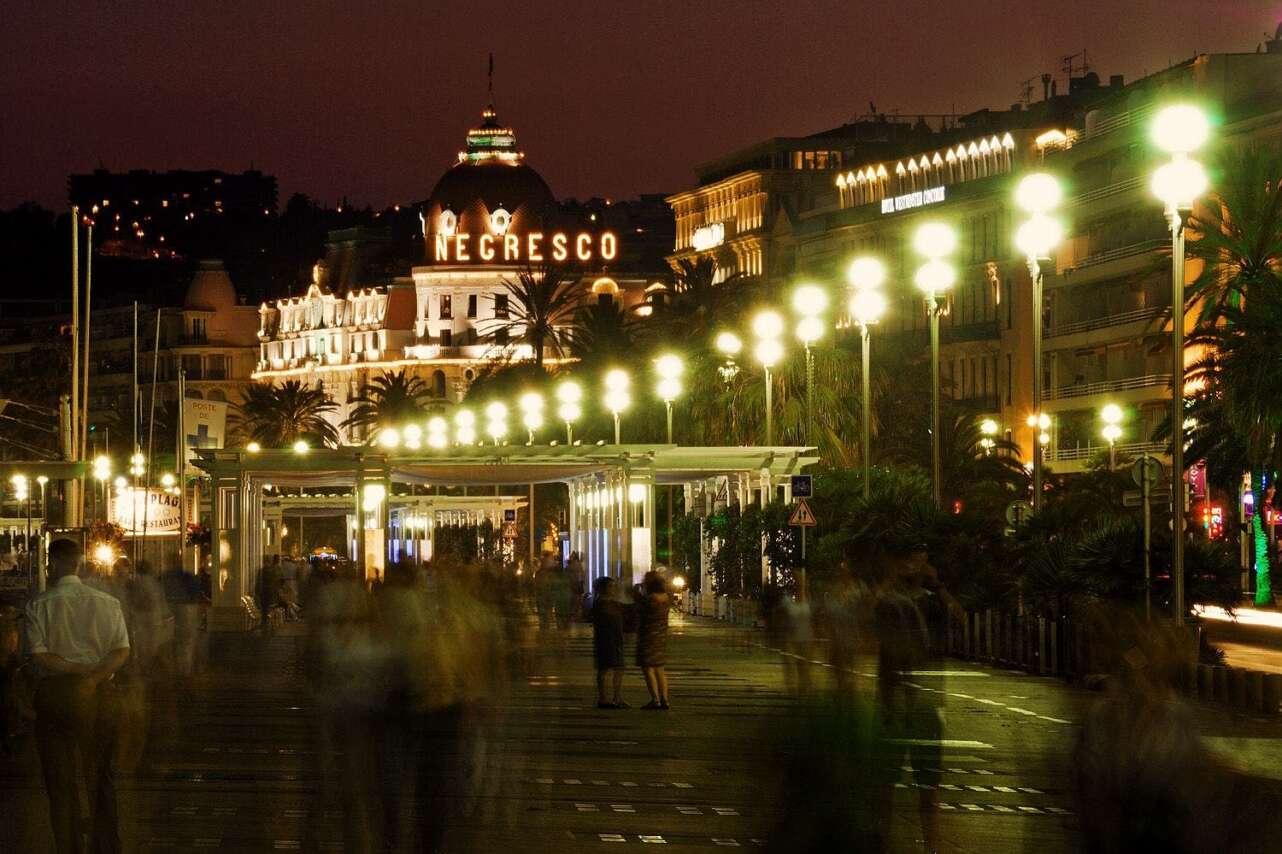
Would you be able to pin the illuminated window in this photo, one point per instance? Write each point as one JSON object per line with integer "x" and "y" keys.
{"x": 500, "y": 306}
{"x": 446, "y": 307}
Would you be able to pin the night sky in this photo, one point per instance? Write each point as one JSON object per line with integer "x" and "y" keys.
{"x": 371, "y": 100}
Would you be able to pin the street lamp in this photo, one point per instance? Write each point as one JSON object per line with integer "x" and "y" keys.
{"x": 496, "y": 421}
{"x": 1111, "y": 415}
{"x": 867, "y": 307}
{"x": 810, "y": 301}
{"x": 617, "y": 398}
{"x": 569, "y": 410}
{"x": 768, "y": 326}
{"x": 531, "y": 404}
{"x": 988, "y": 430}
{"x": 729, "y": 346}
{"x": 389, "y": 438}
{"x": 43, "y": 481}
{"x": 1179, "y": 129}
{"x": 438, "y": 432}
{"x": 465, "y": 427}
{"x": 934, "y": 241}
{"x": 1037, "y": 194}
{"x": 412, "y": 436}
{"x": 301, "y": 446}
{"x": 669, "y": 367}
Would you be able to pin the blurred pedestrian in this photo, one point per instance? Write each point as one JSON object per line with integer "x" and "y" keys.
{"x": 77, "y": 640}
{"x": 653, "y": 605}
{"x": 608, "y": 617}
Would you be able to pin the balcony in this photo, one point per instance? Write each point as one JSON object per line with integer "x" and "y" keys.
{"x": 1129, "y": 185}
{"x": 985, "y": 330}
{"x": 1108, "y": 387}
{"x": 1121, "y": 121}
{"x": 1144, "y": 247}
{"x": 1139, "y": 314}
{"x": 1079, "y": 454}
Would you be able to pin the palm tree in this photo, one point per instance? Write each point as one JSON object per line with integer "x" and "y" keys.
{"x": 540, "y": 305}
{"x": 602, "y": 332}
{"x": 698, "y": 300}
{"x": 392, "y": 398}
{"x": 1238, "y": 296}
{"x": 278, "y": 416}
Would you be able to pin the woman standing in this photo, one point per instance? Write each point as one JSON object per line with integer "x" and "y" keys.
{"x": 607, "y": 643}
{"x": 652, "y": 638}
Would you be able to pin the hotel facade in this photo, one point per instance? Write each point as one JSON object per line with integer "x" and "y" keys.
{"x": 489, "y": 219}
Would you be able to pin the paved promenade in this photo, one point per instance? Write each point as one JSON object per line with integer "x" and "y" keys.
{"x": 233, "y": 763}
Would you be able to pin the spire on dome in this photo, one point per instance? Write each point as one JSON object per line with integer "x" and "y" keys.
{"x": 490, "y": 140}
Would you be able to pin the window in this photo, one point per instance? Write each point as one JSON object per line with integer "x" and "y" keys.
{"x": 500, "y": 306}
{"x": 191, "y": 366}
{"x": 447, "y": 338}
{"x": 500, "y": 335}
{"x": 471, "y": 306}
{"x": 198, "y": 329}
{"x": 446, "y": 307}
{"x": 217, "y": 368}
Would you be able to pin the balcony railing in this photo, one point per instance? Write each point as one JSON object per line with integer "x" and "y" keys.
{"x": 1104, "y": 192}
{"x": 1121, "y": 121}
{"x": 1144, "y": 247}
{"x": 1104, "y": 322}
{"x": 1130, "y": 449}
{"x": 1108, "y": 386}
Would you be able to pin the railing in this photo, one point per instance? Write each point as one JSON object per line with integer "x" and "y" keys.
{"x": 1107, "y": 386}
{"x": 1106, "y": 191}
{"x": 1103, "y": 322}
{"x": 1131, "y": 449}
{"x": 1121, "y": 121}
{"x": 1142, "y": 248}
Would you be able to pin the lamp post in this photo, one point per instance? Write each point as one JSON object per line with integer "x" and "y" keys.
{"x": 465, "y": 427}
{"x": 867, "y": 307}
{"x": 102, "y": 474}
{"x": 669, "y": 367}
{"x": 1111, "y": 415}
{"x": 496, "y": 421}
{"x": 617, "y": 398}
{"x": 810, "y": 301}
{"x": 988, "y": 429}
{"x": 768, "y": 326}
{"x": 1037, "y": 194}
{"x": 1178, "y": 129}
{"x": 569, "y": 410}
{"x": 531, "y": 404}
{"x": 934, "y": 241}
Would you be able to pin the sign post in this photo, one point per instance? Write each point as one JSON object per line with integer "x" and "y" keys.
{"x": 802, "y": 517}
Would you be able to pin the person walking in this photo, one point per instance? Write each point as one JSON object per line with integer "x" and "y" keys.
{"x": 77, "y": 640}
{"x": 653, "y": 604}
{"x": 607, "y": 643}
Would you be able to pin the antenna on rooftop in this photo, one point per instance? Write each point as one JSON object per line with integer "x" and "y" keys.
{"x": 1068, "y": 63}
{"x": 1026, "y": 90}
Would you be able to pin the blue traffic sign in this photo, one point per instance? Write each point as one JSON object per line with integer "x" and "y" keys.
{"x": 802, "y": 486}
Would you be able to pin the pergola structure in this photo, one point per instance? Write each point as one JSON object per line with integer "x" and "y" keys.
{"x": 611, "y": 495}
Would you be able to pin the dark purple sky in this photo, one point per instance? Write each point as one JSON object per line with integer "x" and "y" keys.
{"x": 372, "y": 99}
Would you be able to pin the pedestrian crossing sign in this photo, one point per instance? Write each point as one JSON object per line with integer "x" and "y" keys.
{"x": 802, "y": 516}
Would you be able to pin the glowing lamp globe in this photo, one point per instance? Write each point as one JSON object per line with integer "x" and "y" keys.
{"x": 1111, "y": 432}
{"x": 301, "y": 446}
{"x": 253, "y": 447}
{"x": 167, "y": 480}
{"x": 935, "y": 240}
{"x": 867, "y": 306}
{"x": 437, "y": 432}
{"x": 768, "y": 352}
{"x": 1179, "y": 183}
{"x": 569, "y": 392}
{"x": 767, "y": 325}
{"x": 810, "y": 330}
{"x": 866, "y": 273}
{"x": 617, "y": 400}
{"x": 809, "y": 300}
{"x": 1111, "y": 414}
{"x": 1180, "y": 128}
{"x": 935, "y": 276}
{"x": 988, "y": 427}
{"x": 569, "y": 411}
{"x": 617, "y": 380}
{"x": 464, "y": 418}
{"x": 389, "y": 437}
{"x": 1038, "y": 193}
{"x": 1037, "y": 237}
{"x": 495, "y": 411}
{"x": 669, "y": 389}
{"x": 729, "y": 344}
{"x": 669, "y": 366}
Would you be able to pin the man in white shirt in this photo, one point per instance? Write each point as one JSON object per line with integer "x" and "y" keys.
{"x": 77, "y": 639}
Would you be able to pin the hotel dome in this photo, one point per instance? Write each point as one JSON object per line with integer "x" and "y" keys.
{"x": 490, "y": 189}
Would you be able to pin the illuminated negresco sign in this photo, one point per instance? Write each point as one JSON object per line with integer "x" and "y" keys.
{"x": 708, "y": 236}
{"x": 532, "y": 247}
{"x": 913, "y": 200}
